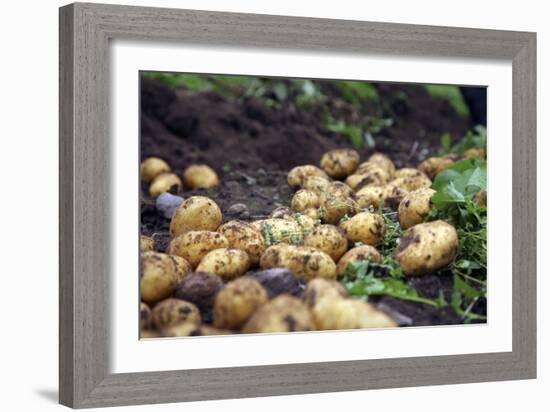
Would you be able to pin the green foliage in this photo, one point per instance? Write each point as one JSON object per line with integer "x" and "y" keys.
{"x": 476, "y": 139}
{"x": 353, "y": 133}
{"x": 363, "y": 279}
{"x": 357, "y": 92}
{"x": 452, "y": 94}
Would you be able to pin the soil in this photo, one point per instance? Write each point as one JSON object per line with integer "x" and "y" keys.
{"x": 252, "y": 147}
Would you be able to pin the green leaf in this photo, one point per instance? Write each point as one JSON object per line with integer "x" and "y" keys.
{"x": 452, "y": 94}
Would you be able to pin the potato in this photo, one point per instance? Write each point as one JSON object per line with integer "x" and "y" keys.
{"x": 340, "y": 163}
{"x": 314, "y": 214}
{"x": 144, "y": 316}
{"x": 305, "y": 262}
{"x": 200, "y": 176}
{"x": 146, "y": 244}
{"x": 244, "y": 236}
{"x": 276, "y": 231}
{"x": 383, "y": 161}
{"x": 227, "y": 263}
{"x": 365, "y": 227}
{"x": 206, "y": 330}
{"x": 407, "y": 172}
{"x": 393, "y": 195}
{"x": 152, "y": 167}
{"x": 337, "y": 314}
{"x": 278, "y": 281}
{"x": 304, "y": 199}
{"x": 410, "y": 183}
{"x": 329, "y": 239}
{"x": 319, "y": 289}
{"x": 200, "y": 288}
{"x": 355, "y": 255}
{"x": 306, "y": 223}
{"x": 359, "y": 180}
{"x": 195, "y": 213}
{"x": 480, "y": 198}
{"x": 158, "y": 276}
{"x": 434, "y": 165}
{"x": 281, "y": 212}
{"x": 181, "y": 329}
{"x": 171, "y": 311}
{"x": 475, "y": 152}
{"x": 165, "y": 182}
{"x": 370, "y": 196}
{"x": 194, "y": 245}
{"x": 183, "y": 267}
{"x": 297, "y": 175}
{"x": 148, "y": 334}
{"x": 415, "y": 207}
{"x": 237, "y": 301}
{"x": 426, "y": 248}
{"x": 336, "y": 189}
{"x": 282, "y": 314}
{"x": 316, "y": 184}
{"x": 335, "y": 208}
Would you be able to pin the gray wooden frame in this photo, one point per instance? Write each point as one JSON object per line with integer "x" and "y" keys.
{"x": 85, "y": 31}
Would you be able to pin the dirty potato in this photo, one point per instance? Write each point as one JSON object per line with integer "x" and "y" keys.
{"x": 319, "y": 289}
{"x": 146, "y": 244}
{"x": 370, "y": 196}
{"x": 410, "y": 183}
{"x": 434, "y": 165}
{"x": 195, "y": 213}
{"x": 183, "y": 267}
{"x": 334, "y": 208}
{"x": 297, "y": 175}
{"x": 358, "y": 180}
{"x": 200, "y": 176}
{"x": 144, "y": 316}
{"x": 276, "y": 231}
{"x": 200, "y": 288}
{"x": 304, "y": 199}
{"x": 415, "y": 207}
{"x": 306, "y": 262}
{"x": 242, "y": 235}
{"x": 383, "y": 161}
{"x": 148, "y": 334}
{"x": 165, "y": 182}
{"x": 181, "y": 329}
{"x": 158, "y": 276}
{"x": 227, "y": 263}
{"x": 194, "y": 245}
{"x": 365, "y": 227}
{"x": 306, "y": 223}
{"x": 281, "y": 212}
{"x": 152, "y": 167}
{"x": 277, "y": 281}
{"x": 171, "y": 311}
{"x": 426, "y": 248}
{"x": 475, "y": 153}
{"x": 340, "y": 163}
{"x": 393, "y": 195}
{"x": 282, "y": 314}
{"x": 332, "y": 314}
{"x": 329, "y": 239}
{"x": 316, "y": 184}
{"x": 237, "y": 301}
{"x": 355, "y": 255}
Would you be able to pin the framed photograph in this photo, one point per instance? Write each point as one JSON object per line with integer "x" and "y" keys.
{"x": 257, "y": 205}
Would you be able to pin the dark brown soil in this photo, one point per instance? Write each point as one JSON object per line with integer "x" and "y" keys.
{"x": 252, "y": 147}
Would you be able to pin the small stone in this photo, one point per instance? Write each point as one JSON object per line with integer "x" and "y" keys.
{"x": 167, "y": 203}
{"x": 238, "y": 210}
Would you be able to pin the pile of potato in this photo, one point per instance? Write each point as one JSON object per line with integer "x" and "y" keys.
{"x": 281, "y": 273}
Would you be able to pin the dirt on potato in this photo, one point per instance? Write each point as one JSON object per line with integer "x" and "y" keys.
{"x": 252, "y": 147}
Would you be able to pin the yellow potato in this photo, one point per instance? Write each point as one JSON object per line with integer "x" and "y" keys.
{"x": 407, "y": 172}
{"x": 171, "y": 311}
{"x": 365, "y": 227}
{"x": 383, "y": 161}
{"x": 183, "y": 267}
{"x": 194, "y": 245}
{"x": 227, "y": 263}
{"x": 284, "y": 313}
{"x": 370, "y": 196}
{"x": 276, "y": 231}
{"x": 329, "y": 239}
{"x": 415, "y": 207}
{"x": 195, "y": 213}
{"x": 314, "y": 214}
{"x": 165, "y": 182}
{"x": 158, "y": 276}
{"x": 319, "y": 289}
{"x": 393, "y": 195}
{"x": 244, "y": 236}
{"x": 148, "y": 334}
{"x": 144, "y": 316}
{"x": 355, "y": 255}
{"x": 337, "y": 314}
{"x": 475, "y": 152}
{"x": 434, "y": 165}
{"x": 410, "y": 183}
{"x": 306, "y": 223}
{"x": 237, "y": 301}
{"x": 152, "y": 167}
{"x": 304, "y": 199}
{"x": 361, "y": 179}
{"x": 146, "y": 244}
{"x": 316, "y": 184}
{"x": 200, "y": 176}
{"x": 426, "y": 248}
{"x": 297, "y": 175}
{"x": 334, "y": 208}
{"x": 181, "y": 329}
{"x": 340, "y": 163}
{"x": 305, "y": 262}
